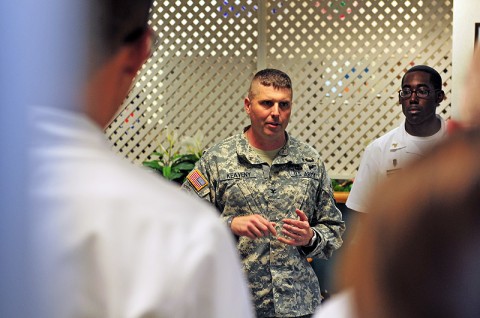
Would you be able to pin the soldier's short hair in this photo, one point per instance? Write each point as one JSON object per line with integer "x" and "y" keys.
{"x": 271, "y": 77}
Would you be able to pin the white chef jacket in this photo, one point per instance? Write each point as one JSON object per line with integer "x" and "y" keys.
{"x": 115, "y": 240}
{"x": 385, "y": 156}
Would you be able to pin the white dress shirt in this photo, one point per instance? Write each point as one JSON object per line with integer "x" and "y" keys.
{"x": 115, "y": 240}
{"x": 385, "y": 156}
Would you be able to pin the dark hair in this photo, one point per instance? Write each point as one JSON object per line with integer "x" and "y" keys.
{"x": 271, "y": 77}
{"x": 118, "y": 22}
{"x": 435, "y": 77}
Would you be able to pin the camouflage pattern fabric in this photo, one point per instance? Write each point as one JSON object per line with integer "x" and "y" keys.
{"x": 282, "y": 282}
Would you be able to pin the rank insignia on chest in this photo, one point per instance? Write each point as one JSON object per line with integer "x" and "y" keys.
{"x": 197, "y": 179}
{"x": 392, "y": 171}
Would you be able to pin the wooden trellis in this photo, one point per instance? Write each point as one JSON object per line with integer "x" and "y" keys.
{"x": 346, "y": 60}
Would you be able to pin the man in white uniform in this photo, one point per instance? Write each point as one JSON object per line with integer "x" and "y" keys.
{"x": 113, "y": 240}
{"x": 420, "y": 95}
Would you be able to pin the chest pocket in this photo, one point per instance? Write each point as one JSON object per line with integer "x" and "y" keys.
{"x": 241, "y": 192}
{"x": 299, "y": 186}
{"x": 396, "y": 158}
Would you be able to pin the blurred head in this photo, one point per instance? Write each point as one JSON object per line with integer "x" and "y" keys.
{"x": 418, "y": 251}
{"x": 269, "y": 104}
{"x": 120, "y": 42}
{"x": 419, "y": 96}
{"x": 116, "y": 23}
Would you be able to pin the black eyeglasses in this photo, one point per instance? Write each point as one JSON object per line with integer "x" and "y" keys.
{"x": 421, "y": 92}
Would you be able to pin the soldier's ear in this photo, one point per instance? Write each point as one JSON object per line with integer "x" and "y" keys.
{"x": 247, "y": 104}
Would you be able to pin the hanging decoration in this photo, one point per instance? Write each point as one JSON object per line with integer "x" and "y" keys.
{"x": 237, "y": 8}
{"x": 336, "y": 8}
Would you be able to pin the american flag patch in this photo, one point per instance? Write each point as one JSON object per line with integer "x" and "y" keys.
{"x": 197, "y": 180}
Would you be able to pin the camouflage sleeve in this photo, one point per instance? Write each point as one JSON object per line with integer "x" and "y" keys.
{"x": 327, "y": 221}
{"x": 198, "y": 180}
{"x": 201, "y": 180}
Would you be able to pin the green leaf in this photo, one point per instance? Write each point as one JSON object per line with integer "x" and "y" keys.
{"x": 179, "y": 156}
{"x": 158, "y": 154}
{"x": 185, "y": 158}
{"x": 191, "y": 157}
{"x": 152, "y": 164}
{"x": 167, "y": 170}
{"x": 341, "y": 185}
{"x": 185, "y": 166}
{"x": 175, "y": 175}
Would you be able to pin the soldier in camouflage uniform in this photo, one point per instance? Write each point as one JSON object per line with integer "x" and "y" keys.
{"x": 274, "y": 194}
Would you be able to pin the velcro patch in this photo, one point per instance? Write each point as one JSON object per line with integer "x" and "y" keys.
{"x": 197, "y": 179}
{"x": 392, "y": 171}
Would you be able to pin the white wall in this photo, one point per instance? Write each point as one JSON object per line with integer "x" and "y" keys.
{"x": 465, "y": 14}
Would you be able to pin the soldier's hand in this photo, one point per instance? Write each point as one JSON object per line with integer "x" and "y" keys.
{"x": 296, "y": 232}
{"x": 252, "y": 226}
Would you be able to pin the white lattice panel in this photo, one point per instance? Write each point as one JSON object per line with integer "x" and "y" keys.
{"x": 346, "y": 60}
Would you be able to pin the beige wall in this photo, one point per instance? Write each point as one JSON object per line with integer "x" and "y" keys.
{"x": 465, "y": 14}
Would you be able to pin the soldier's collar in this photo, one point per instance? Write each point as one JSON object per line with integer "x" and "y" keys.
{"x": 243, "y": 147}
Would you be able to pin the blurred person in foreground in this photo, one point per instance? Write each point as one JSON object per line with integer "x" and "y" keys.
{"x": 469, "y": 109}
{"x": 420, "y": 95}
{"x": 420, "y": 257}
{"x": 274, "y": 194}
{"x": 113, "y": 240}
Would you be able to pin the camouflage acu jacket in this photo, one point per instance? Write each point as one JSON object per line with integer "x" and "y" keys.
{"x": 234, "y": 178}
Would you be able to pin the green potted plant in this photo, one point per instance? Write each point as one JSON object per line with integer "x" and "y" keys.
{"x": 175, "y": 160}
{"x": 341, "y": 189}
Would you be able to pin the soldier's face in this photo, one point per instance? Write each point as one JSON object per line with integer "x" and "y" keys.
{"x": 269, "y": 111}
